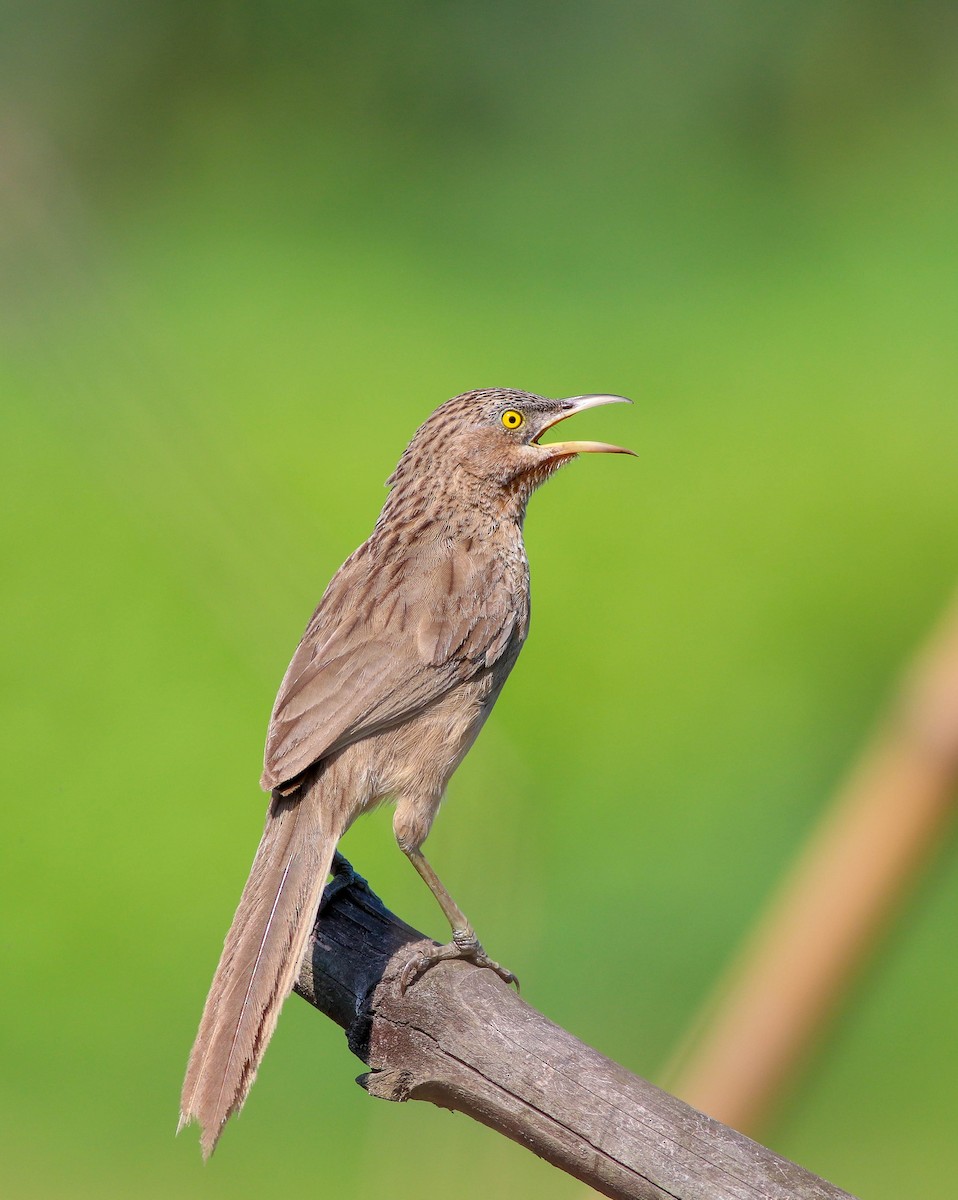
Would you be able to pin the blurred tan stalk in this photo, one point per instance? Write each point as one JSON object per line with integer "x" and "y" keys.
{"x": 767, "y": 1013}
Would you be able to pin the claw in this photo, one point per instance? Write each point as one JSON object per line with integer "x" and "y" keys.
{"x": 464, "y": 945}
{"x": 411, "y": 971}
{"x": 344, "y": 876}
{"x": 342, "y": 868}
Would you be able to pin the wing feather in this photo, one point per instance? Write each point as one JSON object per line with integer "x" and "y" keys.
{"x": 388, "y": 639}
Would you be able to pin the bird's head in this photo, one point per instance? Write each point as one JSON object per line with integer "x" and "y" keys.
{"x": 490, "y": 438}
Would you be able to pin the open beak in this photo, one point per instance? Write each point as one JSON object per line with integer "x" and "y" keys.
{"x": 577, "y": 404}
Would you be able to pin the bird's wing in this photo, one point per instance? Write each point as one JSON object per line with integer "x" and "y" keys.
{"x": 388, "y": 639}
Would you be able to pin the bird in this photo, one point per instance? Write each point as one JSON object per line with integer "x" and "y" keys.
{"x": 398, "y": 669}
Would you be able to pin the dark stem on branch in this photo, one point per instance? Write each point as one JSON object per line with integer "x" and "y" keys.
{"x": 461, "y": 1039}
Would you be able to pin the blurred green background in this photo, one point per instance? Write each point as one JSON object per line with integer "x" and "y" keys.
{"x": 244, "y": 250}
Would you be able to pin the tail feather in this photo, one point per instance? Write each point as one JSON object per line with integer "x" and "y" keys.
{"x": 260, "y": 962}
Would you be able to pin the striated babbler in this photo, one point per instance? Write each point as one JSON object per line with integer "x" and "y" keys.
{"x": 398, "y": 669}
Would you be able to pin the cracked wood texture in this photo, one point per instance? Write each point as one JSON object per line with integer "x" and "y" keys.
{"x": 461, "y": 1039}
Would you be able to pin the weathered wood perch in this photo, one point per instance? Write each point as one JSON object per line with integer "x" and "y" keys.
{"x": 461, "y": 1039}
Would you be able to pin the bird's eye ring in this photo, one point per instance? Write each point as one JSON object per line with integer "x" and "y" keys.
{"x": 512, "y": 419}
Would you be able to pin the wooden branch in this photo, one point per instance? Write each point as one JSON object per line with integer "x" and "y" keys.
{"x": 842, "y": 892}
{"x": 461, "y": 1039}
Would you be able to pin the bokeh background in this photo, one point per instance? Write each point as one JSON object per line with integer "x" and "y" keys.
{"x": 246, "y": 247}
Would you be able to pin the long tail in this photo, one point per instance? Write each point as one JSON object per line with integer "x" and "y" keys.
{"x": 260, "y": 961}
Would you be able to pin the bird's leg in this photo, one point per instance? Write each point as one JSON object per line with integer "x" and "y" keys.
{"x": 464, "y": 942}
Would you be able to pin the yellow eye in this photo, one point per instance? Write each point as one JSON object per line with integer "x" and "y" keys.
{"x": 512, "y": 419}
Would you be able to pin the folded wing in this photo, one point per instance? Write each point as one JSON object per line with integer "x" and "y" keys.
{"x": 390, "y": 637}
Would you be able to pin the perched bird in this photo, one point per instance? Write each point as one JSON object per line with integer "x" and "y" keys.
{"x": 398, "y": 669}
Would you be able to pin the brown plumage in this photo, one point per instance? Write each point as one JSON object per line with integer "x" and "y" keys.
{"x": 392, "y": 681}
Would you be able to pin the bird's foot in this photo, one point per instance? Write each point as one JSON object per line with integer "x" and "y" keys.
{"x": 465, "y": 945}
{"x": 344, "y": 876}
{"x": 343, "y": 869}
